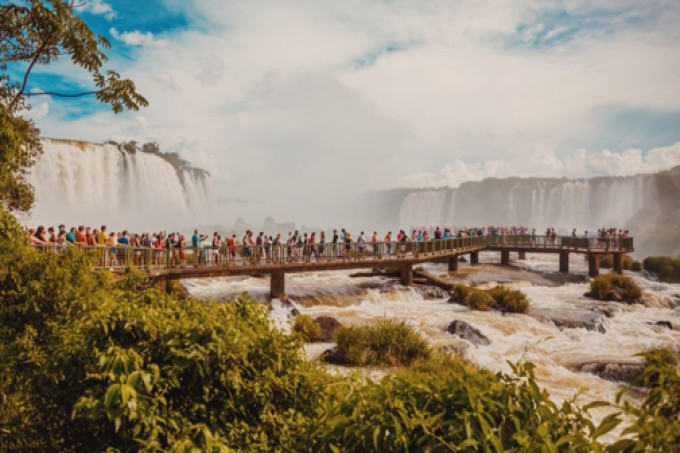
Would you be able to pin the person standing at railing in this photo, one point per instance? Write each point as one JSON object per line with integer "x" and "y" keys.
{"x": 322, "y": 245}
{"x": 361, "y": 245}
{"x": 334, "y": 244}
{"x": 374, "y": 244}
{"x": 197, "y": 246}
{"x": 348, "y": 245}
{"x": 388, "y": 243}
{"x": 102, "y": 237}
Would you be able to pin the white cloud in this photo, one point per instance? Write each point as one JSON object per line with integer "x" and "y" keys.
{"x": 99, "y": 7}
{"x": 547, "y": 162}
{"x": 137, "y": 38}
{"x": 273, "y": 95}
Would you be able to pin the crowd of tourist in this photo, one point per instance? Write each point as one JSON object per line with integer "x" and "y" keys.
{"x": 297, "y": 246}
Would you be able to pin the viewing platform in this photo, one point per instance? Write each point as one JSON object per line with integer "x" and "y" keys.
{"x": 165, "y": 264}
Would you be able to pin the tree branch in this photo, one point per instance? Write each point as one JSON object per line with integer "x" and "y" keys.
{"x": 61, "y": 95}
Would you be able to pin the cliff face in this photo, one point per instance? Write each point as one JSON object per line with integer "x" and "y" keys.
{"x": 647, "y": 204}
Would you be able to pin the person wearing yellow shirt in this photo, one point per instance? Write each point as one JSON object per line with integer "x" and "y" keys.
{"x": 103, "y": 237}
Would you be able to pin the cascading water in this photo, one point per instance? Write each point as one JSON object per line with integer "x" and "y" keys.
{"x": 81, "y": 183}
{"x": 581, "y": 204}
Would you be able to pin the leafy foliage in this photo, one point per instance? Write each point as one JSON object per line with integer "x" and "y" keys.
{"x": 615, "y": 287}
{"x": 309, "y": 330}
{"x": 89, "y": 364}
{"x": 384, "y": 342}
{"x": 19, "y": 147}
{"x": 449, "y": 405}
{"x": 665, "y": 267}
{"x": 657, "y": 420}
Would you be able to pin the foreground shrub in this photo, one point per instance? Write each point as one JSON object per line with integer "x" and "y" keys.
{"x": 666, "y": 268}
{"x": 89, "y": 365}
{"x": 450, "y": 405}
{"x": 308, "y": 329}
{"x": 384, "y": 342}
{"x": 615, "y": 287}
{"x": 657, "y": 420}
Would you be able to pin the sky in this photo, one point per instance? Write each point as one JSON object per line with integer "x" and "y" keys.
{"x": 299, "y": 106}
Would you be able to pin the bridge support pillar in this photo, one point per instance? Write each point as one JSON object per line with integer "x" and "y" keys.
{"x": 278, "y": 285}
{"x": 593, "y": 265}
{"x": 163, "y": 286}
{"x": 564, "y": 262}
{"x": 474, "y": 257}
{"x": 618, "y": 263}
{"x": 521, "y": 255}
{"x": 505, "y": 257}
{"x": 407, "y": 274}
{"x": 453, "y": 263}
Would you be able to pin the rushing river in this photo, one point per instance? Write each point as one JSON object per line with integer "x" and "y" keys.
{"x": 565, "y": 333}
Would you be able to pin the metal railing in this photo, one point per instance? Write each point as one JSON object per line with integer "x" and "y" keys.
{"x": 178, "y": 256}
{"x": 594, "y": 244}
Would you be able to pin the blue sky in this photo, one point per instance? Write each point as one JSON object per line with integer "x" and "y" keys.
{"x": 257, "y": 91}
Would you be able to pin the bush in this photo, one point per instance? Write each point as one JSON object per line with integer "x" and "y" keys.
{"x": 616, "y": 288}
{"x": 657, "y": 419}
{"x": 384, "y": 342}
{"x": 498, "y": 298}
{"x": 481, "y": 300}
{"x": 309, "y": 329}
{"x": 450, "y": 405}
{"x": 666, "y": 268}
{"x": 509, "y": 300}
{"x": 636, "y": 266}
{"x": 607, "y": 262}
{"x": 459, "y": 293}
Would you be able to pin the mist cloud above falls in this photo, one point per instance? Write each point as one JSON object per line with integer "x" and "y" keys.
{"x": 298, "y": 106}
{"x": 547, "y": 163}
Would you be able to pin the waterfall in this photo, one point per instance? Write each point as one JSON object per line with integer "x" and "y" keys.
{"x": 81, "y": 183}
{"x": 534, "y": 202}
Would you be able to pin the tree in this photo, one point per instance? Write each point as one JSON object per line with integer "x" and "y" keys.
{"x": 34, "y": 33}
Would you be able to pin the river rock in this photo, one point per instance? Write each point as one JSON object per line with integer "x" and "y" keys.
{"x": 334, "y": 356}
{"x": 459, "y": 348}
{"x": 462, "y": 259}
{"x": 615, "y": 371}
{"x": 328, "y": 326}
{"x": 662, "y": 324}
{"x": 467, "y": 332}
{"x": 432, "y": 292}
{"x": 577, "y": 319}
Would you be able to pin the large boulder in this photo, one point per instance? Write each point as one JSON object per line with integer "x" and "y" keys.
{"x": 334, "y": 356}
{"x": 328, "y": 326}
{"x": 615, "y": 371}
{"x": 467, "y": 332}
